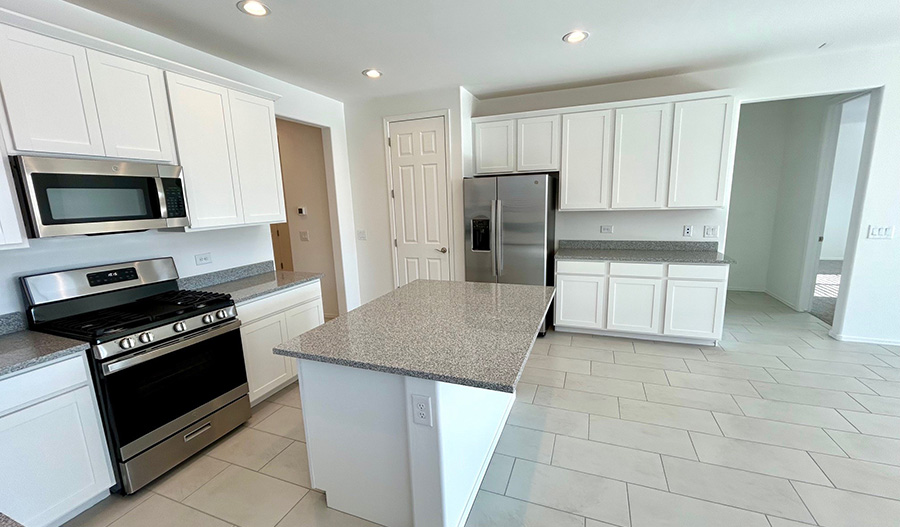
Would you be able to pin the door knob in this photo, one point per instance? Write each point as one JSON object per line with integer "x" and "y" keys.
{"x": 442, "y": 250}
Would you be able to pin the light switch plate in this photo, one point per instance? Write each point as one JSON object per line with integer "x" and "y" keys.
{"x": 880, "y": 232}
{"x": 710, "y": 231}
{"x": 203, "y": 259}
{"x": 361, "y": 235}
{"x": 304, "y": 236}
{"x": 606, "y": 229}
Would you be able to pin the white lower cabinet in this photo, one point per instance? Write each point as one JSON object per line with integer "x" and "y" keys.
{"x": 269, "y": 322}
{"x": 677, "y": 302}
{"x": 694, "y": 308}
{"x": 53, "y": 454}
{"x": 635, "y": 304}
{"x": 580, "y": 301}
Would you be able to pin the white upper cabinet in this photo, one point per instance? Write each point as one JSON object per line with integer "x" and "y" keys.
{"x": 258, "y": 161}
{"x": 495, "y": 147}
{"x": 134, "y": 112}
{"x": 586, "y": 164}
{"x": 203, "y": 134}
{"x": 641, "y": 160}
{"x": 48, "y": 95}
{"x": 700, "y": 143}
{"x": 538, "y": 143}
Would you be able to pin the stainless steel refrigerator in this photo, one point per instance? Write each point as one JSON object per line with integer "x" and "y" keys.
{"x": 510, "y": 221}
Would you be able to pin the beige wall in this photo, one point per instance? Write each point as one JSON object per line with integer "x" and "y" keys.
{"x": 303, "y": 171}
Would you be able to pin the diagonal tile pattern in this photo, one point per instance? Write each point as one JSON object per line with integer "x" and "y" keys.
{"x": 778, "y": 426}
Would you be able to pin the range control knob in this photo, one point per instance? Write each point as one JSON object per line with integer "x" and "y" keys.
{"x": 220, "y": 314}
{"x": 179, "y": 327}
{"x": 146, "y": 337}
{"x": 207, "y": 319}
{"x": 126, "y": 343}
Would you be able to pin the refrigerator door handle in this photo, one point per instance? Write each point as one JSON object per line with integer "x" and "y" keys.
{"x": 493, "y": 237}
{"x": 499, "y": 241}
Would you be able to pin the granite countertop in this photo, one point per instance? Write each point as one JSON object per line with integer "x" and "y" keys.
{"x": 469, "y": 333}
{"x": 642, "y": 251}
{"x": 24, "y": 349}
{"x": 6, "y": 521}
{"x": 255, "y": 286}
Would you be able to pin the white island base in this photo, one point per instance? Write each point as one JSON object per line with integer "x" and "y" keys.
{"x": 373, "y": 461}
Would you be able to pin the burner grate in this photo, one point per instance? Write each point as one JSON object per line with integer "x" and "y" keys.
{"x": 189, "y": 297}
{"x": 101, "y": 322}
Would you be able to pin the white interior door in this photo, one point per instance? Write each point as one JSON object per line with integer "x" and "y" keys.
{"x": 420, "y": 200}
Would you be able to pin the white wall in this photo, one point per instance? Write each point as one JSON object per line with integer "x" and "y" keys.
{"x": 295, "y": 103}
{"x": 844, "y": 177}
{"x": 794, "y": 220}
{"x": 758, "y": 163}
{"x": 873, "y": 297}
{"x": 365, "y": 135}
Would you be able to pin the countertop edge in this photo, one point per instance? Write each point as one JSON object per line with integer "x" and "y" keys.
{"x": 722, "y": 260}
{"x": 36, "y": 362}
{"x": 277, "y": 289}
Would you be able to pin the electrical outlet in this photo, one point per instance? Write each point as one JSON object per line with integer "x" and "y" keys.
{"x": 688, "y": 231}
{"x": 422, "y": 410}
{"x": 710, "y": 231}
{"x": 203, "y": 259}
{"x": 880, "y": 232}
{"x": 361, "y": 235}
{"x": 304, "y": 236}
{"x": 301, "y": 211}
{"x": 606, "y": 229}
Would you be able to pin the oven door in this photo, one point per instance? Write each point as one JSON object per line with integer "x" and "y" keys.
{"x": 154, "y": 393}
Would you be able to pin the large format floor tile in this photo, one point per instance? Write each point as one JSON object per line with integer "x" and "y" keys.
{"x": 861, "y": 476}
{"x": 801, "y": 414}
{"x": 525, "y": 443}
{"x": 578, "y": 401}
{"x": 292, "y": 465}
{"x": 653, "y": 508}
{"x": 840, "y": 508}
{"x": 772, "y": 460}
{"x": 184, "y": 480}
{"x": 249, "y": 448}
{"x": 159, "y": 510}
{"x": 548, "y": 419}
{"x": 611, "y": 461}
{"x": 312, "y": 511}
{"x": 668, "y": 415}
{"x": 285, "y": 422}
{"x": 491, "y": 510}
{"x": 777, "y": 433}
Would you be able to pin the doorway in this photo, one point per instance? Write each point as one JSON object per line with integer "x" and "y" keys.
{"x": 797, "y": 163}
{"x": 304, "y": 241}
{"x": 417, "y": 170}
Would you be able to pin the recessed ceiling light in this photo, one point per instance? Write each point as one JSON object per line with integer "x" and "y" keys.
{"x": 372, "y": 73}
{"x": 253, "y": 7}
{"x": 574, "y": 37}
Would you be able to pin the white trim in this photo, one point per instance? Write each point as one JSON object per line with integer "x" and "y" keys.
{"x": 783, "y": 301}
{"x": 628, "y": 103}
{"x": 863, "y": 340}
{"x": 445, "y": 114}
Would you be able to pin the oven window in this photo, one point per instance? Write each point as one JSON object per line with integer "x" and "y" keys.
{"x": 148, "y": 395}
{"x": 68, "y": 198}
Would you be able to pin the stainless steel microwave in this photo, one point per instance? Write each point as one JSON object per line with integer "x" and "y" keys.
{"x": 64, "y": 196}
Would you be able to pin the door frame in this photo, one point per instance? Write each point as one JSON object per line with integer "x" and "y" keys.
{"x": 445, "y": 114}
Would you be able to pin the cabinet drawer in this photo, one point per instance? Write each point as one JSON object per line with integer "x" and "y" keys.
{"x": 36, "y": 384}
{"x": 582, "y": 267}
{"x": 278, "y": 301}
{"x": 701, "y": 272}
{"x": 652, "y": 270}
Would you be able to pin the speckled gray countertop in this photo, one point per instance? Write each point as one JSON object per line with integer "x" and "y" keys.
{"x": 24, "y": 349}
{"x": 469, "y": 333}
{"x": 263, "y": 284}
{"x": 6, "y": 521}
{"x": 642, "y": 251}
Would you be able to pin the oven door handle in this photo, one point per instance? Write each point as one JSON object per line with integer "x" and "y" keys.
{"x": 153, "y": 353}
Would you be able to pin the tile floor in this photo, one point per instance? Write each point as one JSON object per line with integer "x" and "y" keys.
{"x": 779, "y": 426}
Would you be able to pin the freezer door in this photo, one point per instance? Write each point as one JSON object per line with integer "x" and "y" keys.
{"x": 479, "y": 197}
{"x": 522, "y": 203}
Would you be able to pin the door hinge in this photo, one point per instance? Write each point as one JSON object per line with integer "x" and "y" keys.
{"x": 389, "y": 142}
{"x": 395, "y": 242}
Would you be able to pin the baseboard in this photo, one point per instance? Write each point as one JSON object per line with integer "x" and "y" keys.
{"x": 746, "y": 290}
{"x": 330, "y": 316}
{"x": 638, "y": 336}
{"x": 783, "y": 301}
{"x": 864, "y": 340}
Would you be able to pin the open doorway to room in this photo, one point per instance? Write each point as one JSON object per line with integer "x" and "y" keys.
{"x": 304, "y": 241}
{"x": 796, "y": 176}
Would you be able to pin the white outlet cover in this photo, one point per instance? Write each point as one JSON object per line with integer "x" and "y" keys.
{"x": 421, "y": 406}
{"x": 606, "y": 229}
{"x": 688, "y": 231}
{"x": 361, "y": 235}
{"x": 304, "y": 236}
{"x": 203, "y": 259}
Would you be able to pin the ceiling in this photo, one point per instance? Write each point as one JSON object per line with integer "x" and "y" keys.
{"x": 498, "y": 47}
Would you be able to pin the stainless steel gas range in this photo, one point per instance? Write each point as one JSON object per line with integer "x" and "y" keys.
{"x": 167, "y": 364}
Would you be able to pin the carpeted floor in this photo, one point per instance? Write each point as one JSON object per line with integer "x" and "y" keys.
{"x": 828, "y": 283}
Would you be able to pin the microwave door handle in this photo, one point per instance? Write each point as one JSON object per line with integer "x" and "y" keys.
{"x": 124, "y": 363}
{"x": 492, "y": 237}
{"x": 161, "y": 195}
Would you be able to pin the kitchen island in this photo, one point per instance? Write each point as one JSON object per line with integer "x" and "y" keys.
{"x": 405, "y": 397}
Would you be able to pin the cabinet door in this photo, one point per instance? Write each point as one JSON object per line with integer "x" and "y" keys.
{"x": 700, "y": 139}
{"x": 48, "y": 95}
{"x": 538, "y": 144}
{"x": 495, "y": 147}
{"x": 258, "y": 162}
{"x": 641, "y": 160}
{"x": 304, "y": 318}
{"x": 580, "y": 301}
{"x": 134, "y": 112}
{"x": 203, "y": 137}
{"x": 695, "y": 309}
{"x": 586, "y": 164}
{"x": 53, "y": 458}
{"x": 635, "y": 304}
{"x": 265, "y": 370}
